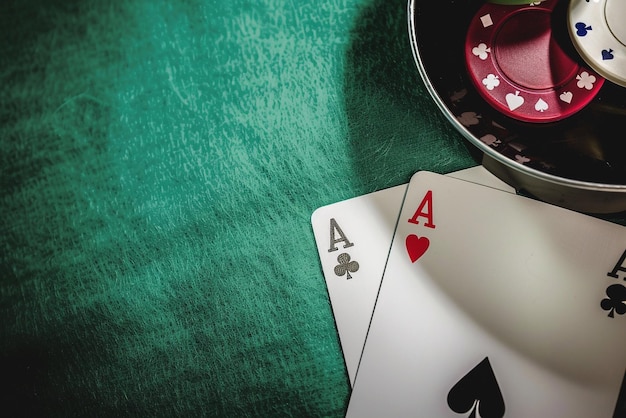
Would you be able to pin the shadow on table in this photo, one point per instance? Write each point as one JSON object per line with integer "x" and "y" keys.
{"x": 395, "y": 128}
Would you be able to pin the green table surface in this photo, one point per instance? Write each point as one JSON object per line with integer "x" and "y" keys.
{"x": 160, "y": 161}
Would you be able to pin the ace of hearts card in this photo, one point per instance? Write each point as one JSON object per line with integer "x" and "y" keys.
{"x": 492, "y": 305}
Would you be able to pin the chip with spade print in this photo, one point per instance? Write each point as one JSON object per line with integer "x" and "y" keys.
{"x": 506, "y": 311}
{"x": 598, "y": 32}
{"x": 520, "y": 68}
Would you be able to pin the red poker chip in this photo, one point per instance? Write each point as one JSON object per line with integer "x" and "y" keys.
{"x": 518, "y": 68}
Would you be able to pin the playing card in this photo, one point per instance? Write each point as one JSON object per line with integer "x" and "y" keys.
{"x": 493, "y": 305}
{"x": 353, "y": 239}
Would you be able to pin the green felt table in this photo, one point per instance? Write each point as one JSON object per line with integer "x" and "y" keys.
{"x": 160, "y": 161}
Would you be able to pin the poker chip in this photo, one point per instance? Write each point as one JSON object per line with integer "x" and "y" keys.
{"x": 598, "y": 31}
{"x": 519, "y": 68}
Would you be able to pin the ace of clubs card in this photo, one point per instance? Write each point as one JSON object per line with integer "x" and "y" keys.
{"x": 494, "y": 305}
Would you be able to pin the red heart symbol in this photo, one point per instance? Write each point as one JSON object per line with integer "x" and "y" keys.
{"x": 416, "y": 246}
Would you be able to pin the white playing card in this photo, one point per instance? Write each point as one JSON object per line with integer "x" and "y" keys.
{"x": 494, "y": 303}
{"x": 361, "y": 229}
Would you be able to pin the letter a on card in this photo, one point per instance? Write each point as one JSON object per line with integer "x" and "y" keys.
{"x": 424, "y": 210}
{"x": 334, "y": 227}
{"x": 620, "y": 266}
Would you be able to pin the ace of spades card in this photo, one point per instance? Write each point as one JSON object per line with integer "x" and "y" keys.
{"x": 493, "y": 305}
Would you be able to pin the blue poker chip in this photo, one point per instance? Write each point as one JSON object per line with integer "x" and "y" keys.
{"x": 598, "y": 31}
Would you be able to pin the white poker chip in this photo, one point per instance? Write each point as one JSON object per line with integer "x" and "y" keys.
{"x": 598, "y": 31}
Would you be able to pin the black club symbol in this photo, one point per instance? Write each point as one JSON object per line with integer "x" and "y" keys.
{"x": 345, "y": 266}
{"x": 615, "y": 302}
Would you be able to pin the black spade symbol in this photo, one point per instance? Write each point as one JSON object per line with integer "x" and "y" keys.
{"x": 477, "y": 391}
